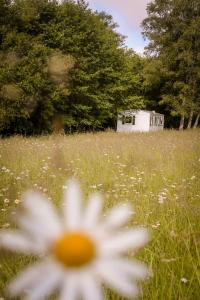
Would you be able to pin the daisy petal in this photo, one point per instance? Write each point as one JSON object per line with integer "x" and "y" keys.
{"x": 42, "y": 214}
{"x": 92, "y": 211}
{"x": 127, "y": 267}
{"x": 42, "y": 233}
{"x": 118, "y": 216}
{"x": 72, "y": 205}
{"x": 124, "y": 241}
{"x": 16, "y": 241}
{"x": 70, "y": 288}
{"x": 45, "y": 286}
{"x": 90, "y": 287}
{"x": 116, "y": 280}
{"x": 31, "y": 276}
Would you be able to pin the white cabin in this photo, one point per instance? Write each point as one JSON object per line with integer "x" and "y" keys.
{"x": 140, "y": 120}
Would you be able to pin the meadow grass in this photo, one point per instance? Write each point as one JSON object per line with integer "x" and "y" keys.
{"x": 157, "y": 172}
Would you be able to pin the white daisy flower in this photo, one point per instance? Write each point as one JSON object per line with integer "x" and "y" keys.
{"x": 78, "y": 252}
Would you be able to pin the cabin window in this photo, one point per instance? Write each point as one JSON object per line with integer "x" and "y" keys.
{"x": 128, "y": 119}
{"x": 157, "y": 121}
{"x": 151, "y": 121}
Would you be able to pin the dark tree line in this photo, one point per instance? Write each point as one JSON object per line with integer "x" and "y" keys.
{"x": 65, "y": 67}
{"x": 173, "y": 70}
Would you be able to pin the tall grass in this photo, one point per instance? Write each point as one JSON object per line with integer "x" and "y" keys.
{"x": 157, "y": 172}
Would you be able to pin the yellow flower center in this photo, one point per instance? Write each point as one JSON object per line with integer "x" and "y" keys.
{"x": 74, "y": 249}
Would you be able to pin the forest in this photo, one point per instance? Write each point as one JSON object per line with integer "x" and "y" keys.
{"x": 65, "y": 68}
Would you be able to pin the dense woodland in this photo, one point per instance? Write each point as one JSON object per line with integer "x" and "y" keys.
{"x": 64, "y": 67}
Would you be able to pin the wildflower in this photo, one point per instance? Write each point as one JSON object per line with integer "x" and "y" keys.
{"x": 156, "y": 225}
{"x": 165, "y": 260}
{"x": 184, "y": 280}
{"x": 93, "y": 186}
{"x": 161, "y": 199}
{"x": 78, "y": 252}
{"x": 17, "y": 201}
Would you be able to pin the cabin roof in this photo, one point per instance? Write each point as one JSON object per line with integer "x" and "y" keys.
{"x": 140, "y": 110}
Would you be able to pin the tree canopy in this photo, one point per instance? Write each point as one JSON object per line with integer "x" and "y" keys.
{"x": 172, "y": 27}
{"x": 63, "y": 66}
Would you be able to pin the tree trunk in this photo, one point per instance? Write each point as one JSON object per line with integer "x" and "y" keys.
{"x": 115, "y": 119}
{"x": 196, "y": 121}
{"x": 115, "y": 123}
{"x": 182, "y": 122}
{"x": 190, "y": 119}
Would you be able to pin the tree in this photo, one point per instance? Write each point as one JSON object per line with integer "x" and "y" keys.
{"x": 172, "y": 26}
{"x": 69, "y": 64}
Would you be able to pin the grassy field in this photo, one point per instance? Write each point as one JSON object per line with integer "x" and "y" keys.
{"x": 157, "y": 172}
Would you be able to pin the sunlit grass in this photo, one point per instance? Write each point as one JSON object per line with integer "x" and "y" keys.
{"x": 157, "y": 172}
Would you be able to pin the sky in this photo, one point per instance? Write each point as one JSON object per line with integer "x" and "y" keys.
{"x": 128, "y": 14}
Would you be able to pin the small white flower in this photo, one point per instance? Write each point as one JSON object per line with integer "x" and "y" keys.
{"x": 78, "y": 252}
{"x": 161, "y": 199}
{"x": 165, "y": 260}
{"x": 17, "y": 201}
{"x": 93, "y": 186}
{"x": 184, "y": 280}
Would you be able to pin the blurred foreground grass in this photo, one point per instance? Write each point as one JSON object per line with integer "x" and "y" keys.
{"x": 157, "y": 172}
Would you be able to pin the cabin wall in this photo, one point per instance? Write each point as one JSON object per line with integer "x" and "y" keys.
{"x": 124, "y": 127}
{"x": 156, "y": 127}
{"x": 144, "y": 122}
{"x": 141, "y": 123}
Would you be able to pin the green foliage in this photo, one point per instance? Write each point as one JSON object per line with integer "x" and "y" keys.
{"x": 70, "y": 65}
{"x": 172, "y": 26}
